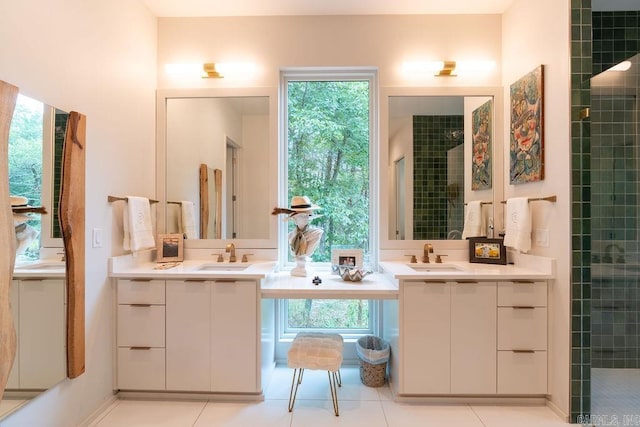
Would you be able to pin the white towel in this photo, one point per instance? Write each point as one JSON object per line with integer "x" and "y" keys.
{"x": 473, "y": 221}
{"x": 518, "y": 224}
{"x": 188, "y": 219}
{"x": 138, "y": 230}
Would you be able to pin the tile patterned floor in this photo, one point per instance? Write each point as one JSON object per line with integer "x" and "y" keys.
{"x": 615, "y": 396}
{"x": 359, "y": 406}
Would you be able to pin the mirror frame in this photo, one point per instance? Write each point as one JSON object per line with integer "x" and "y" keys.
{"x": 498, "y": 159}
{"x": 273, "y": 174}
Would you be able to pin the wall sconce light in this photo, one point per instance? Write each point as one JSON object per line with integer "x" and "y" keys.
{"x": 212, "y": 70}
{"x": 447, "y": 68}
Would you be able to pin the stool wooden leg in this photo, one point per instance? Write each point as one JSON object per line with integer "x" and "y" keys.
{"x": 294, "y": 383}
{"x": 334, "y": 391}
{"x": 339, "y": 379}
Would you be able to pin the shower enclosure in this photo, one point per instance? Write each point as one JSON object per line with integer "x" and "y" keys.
{"x": 615, "y": 231}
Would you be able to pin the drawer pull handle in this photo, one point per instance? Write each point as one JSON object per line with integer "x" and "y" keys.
{"x": 140, "y": 305}
{"x": 523, "y": 307}
{"x": 195, "y": 280}
{"x": 141, "y": 280}
{"x": 523, "y": 351}
{"x": 434, "y": 281}
{"x": 31, "y": 279}
{"x": 139, "y": 348}
{"x": 466, "y": 281}
{"x": 225, "y": 281}
{"x": 530, "y": 282}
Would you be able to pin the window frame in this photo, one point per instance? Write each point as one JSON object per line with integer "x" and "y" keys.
{"x": 285, "y": 334}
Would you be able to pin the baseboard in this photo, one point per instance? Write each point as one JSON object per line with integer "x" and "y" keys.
{"x": 559, "y": 412}
{"x": 167, "y": 395}
{"x": 99, "y": 411}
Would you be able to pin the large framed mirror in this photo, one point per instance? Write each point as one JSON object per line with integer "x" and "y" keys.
{"x": 232, "y": 134}
{"x": 45, "y": 160}
{"x": 428, "y": 168}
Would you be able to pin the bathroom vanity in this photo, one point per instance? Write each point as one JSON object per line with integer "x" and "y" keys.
{"x": 38, "y": 305}
{"x": 464, "y": 329}
{"x": 456, "y": 329}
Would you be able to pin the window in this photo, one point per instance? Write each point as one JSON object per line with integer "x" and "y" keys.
{"x": 328, "y": 154}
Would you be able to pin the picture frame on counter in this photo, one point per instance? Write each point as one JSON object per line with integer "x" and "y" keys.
{"x": 487, "y": 251}
{"x": 347, "y": 257}
{"x": 170, "y": 248}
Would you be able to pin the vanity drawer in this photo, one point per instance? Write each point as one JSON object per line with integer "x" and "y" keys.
{"x": 522, "y": 328}
{"x": 141, "y": 325}
{"x": 140, "y": 291}
{"x": 141, "y": 368}
{"x": 522, "y": 293}
{"x": 522, "y": 372}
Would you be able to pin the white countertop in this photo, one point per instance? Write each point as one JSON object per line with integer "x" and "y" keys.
{"x": 43, "y": 268}
{"x": 372, "y": 286}
{"x": 191, "y": 269}
{"x": 462, "y": 270}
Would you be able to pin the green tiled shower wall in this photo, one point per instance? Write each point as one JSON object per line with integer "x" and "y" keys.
{"x": 598, "y": 41}
{"x": 433, "y": 137}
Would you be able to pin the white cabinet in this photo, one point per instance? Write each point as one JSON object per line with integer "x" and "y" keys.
{"x": 141, "y": 334}
{"x": 473, "y": 337}
{"x": 189, "y": 335}
{"x": 522, "y": 337}
{"x": 448, "y": 337}
{"x": 38, "y": 307}
{"x": 425, "y": 335}
{"x": 235, "y": 335}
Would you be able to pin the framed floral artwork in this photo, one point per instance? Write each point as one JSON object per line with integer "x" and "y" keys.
{"x": 526, "y": 145}
{"x": 482, "y": 146}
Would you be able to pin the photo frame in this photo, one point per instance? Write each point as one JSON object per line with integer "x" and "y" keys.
{"x": 170, "y": 248}
{"x": 526, "y": 140}
{"x": 487, "y": 251}
{"x": 482, "y": 147}
{"x": 348, "y": 257}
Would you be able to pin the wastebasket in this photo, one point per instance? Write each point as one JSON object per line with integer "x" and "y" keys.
{"x": 374, "y": 354}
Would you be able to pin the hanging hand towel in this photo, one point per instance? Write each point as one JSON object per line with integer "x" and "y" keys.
{"x": 138, "y": 231}
{"x": 518, "y": 224}
{"x": 188, "y": 218}
{"x": 473, "y": 221}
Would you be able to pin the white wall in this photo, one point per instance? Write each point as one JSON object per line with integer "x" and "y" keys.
{"x": 98, "y": 58}
{"x": 523, "y": 50}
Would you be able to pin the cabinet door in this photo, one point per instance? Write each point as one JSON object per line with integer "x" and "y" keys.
{"x": 473, "y": 338}
{"x": 426, "y": 339}
{"x": 14, "y": 378}
{"x": 234, "y": 337}
{"x": 42, "y": 333}
{"x": 188, "y": 339}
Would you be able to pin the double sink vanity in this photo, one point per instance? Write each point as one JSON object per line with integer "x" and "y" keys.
{"x": 456, "y": 329}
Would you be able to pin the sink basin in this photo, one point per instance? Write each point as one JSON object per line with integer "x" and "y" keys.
{"x": 223, "y": 267}
{"x": 436, "y": 268}
{"x": 42, "y": 266}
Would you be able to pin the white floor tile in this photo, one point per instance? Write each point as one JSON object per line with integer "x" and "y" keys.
{"x": 271, "y": 413}
{"x": 138, "y": 413}
{"x": 522, "y": 416}
{"x": 311, "y": 413}
{"x": 414, "y": 415}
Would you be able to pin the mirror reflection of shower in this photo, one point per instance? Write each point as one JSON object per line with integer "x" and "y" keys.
{"x": 231, "y": 190}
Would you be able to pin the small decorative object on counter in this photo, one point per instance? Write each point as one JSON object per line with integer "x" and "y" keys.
{"x": 350, "y": 274}
{"x": 304, "y": 238}
{"x": 316, "y": 280}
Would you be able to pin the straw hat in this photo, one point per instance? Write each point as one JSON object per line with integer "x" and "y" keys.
{"x": 302, "y": 204}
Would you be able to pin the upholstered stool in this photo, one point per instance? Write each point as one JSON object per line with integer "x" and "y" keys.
{"x": 316, "y": 351}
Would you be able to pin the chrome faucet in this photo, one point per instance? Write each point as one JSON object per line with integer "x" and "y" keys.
{"x": 428, "y": 249}
{"x": 231, "y": 248}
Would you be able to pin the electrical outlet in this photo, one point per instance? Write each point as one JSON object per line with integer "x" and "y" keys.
{"x": 541, "y": 237}
{"x": 97, "y": 238}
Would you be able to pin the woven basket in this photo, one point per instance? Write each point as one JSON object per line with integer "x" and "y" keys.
{"x": 372, "y": 375}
